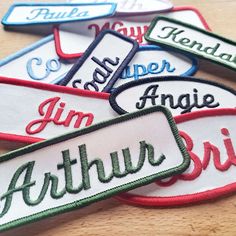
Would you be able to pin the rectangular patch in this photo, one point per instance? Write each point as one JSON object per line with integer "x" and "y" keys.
{"x": 67, "y": 35}
{"x": 187, "y": 38}
{"x": 210, "y": 138}
{"x": 102, "y": 63}
{"x": 136, "y": 7}
{"x": 37, "y": 62}
{"x": 32, "y": 111}
{"x": 43, "y": 13}
{"x": 89, "y": 165}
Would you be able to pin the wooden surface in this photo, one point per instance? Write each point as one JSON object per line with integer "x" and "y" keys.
{"x": 111, "y": 217}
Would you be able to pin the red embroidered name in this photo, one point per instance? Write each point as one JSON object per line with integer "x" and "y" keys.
{"x": 48, "y": 108}
{"x": 210, "y": 151}
{"x": 136, "y": 33}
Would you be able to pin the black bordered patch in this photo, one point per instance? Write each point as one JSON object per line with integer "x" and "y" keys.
{"x": 179, "y": 94}
{"x": 102, "y": 63}
{"x": 210, "y": 137}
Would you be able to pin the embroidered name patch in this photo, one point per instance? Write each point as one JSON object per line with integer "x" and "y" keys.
{"x": 37, "y": 62}
{"x": 151, "y": 61}
{"x": 179, "y": 94}
{"x": 102, "y": 63}
{"x": 129, "y": 7}
{"x": 67, "y": 36}
{"x": 32, "y": 111}
{"x": 80, "y": 171}
{"x": 210, "y": 138}
{"x": 187, "y": 38}
{"x": 42, "y": 13}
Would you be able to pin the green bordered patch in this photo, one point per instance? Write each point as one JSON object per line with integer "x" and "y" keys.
{"x": 190, "y": 39}
{"x": 88, "y": 165}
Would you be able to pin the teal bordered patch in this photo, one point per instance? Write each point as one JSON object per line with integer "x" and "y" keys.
{"x": 88, "y": 165}
{"x": 191, "y": 39}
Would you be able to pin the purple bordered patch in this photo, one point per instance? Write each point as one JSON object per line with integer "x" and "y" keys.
{"x": 151, "y": 61}
{"x": 102, "y": 63}
{"x": 32, "y": 111}
{"x": 67, "y": 36}
{"x": 89, "y": 165}
{"x": 168, "y": 91}
{"x": 210, "y": 137}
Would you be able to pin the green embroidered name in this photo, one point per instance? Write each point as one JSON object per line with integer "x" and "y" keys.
{"x": 175, "y": 35}
{"x": 51, "y": 181}
{"x": 89, "y": 165}
{"x": 188, "y": 38}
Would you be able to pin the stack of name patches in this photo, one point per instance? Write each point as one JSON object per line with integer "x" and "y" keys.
{"x": 108, "y": 105}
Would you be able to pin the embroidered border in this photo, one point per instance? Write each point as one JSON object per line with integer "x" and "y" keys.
{"x": 186, "y": 50}
{"x": 115, "y": 93}
{"x": 191, "y": 71}
{"x": 48, "y": 87}
{"x": 112, "y": 191}
{"x": 10, "y": 10}
{"x": 188, "y": 198}
{"x": 74, "y": 55}
{"x": 90, "y": 49}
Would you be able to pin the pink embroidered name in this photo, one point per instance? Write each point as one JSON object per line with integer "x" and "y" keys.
{"x": 136, "y": 33}
{"x": 210, "y": 151}
{"x": 50, "y": 106}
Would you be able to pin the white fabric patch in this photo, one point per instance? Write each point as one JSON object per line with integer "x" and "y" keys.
{"x": 37, "y": 62}
{"x": 130, "y": 7}
{"x": 35, "y": 110}
{"x": 190, "y": 39}
{"x": 168, "y": 91}
{"x": 69, "y": 34}
{"x": 40, "y": 13}
{"x": 101, "y": 64}
{"x": 72, "y": 160}
{"x": 211, "y": 139}
{"x": 151, "y": 61}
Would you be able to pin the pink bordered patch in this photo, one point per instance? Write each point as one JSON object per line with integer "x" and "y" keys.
{"x": 67, "y": 36}
{"x": 32, "y": 111}
{"x": 210, "y": 137}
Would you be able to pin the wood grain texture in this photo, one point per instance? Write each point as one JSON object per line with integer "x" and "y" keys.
{"x": 111, "y": 217}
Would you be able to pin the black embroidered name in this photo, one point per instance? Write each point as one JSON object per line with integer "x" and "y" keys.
{"x": 22, "y": 180}
{"x": 101, "y": 74}
{"x": 174, "y": 34}
{"x": 186, "y": 101}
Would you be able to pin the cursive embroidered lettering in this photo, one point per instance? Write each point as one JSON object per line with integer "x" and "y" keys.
{"x": 52, "y": 65}
{"x": 46, "y": 14}
{"x": 47, "y": 109}
{"x": 174, "y": 34}
{"x": 25, "y": 172}
{"x": 100, "y": 75}
{"x": 153, "y": 68}
{"x": 137, "y": 33}
{"x": 186, "y": 102}
{"x": 210, "y": 151}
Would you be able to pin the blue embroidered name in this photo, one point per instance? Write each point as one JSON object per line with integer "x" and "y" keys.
{"x": 46, "y": 14}
{"x": 140, "y": 70}
{"x": 52, "y": 65}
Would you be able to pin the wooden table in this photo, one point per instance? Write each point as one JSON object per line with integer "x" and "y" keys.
{"x": 111, "y": 217}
